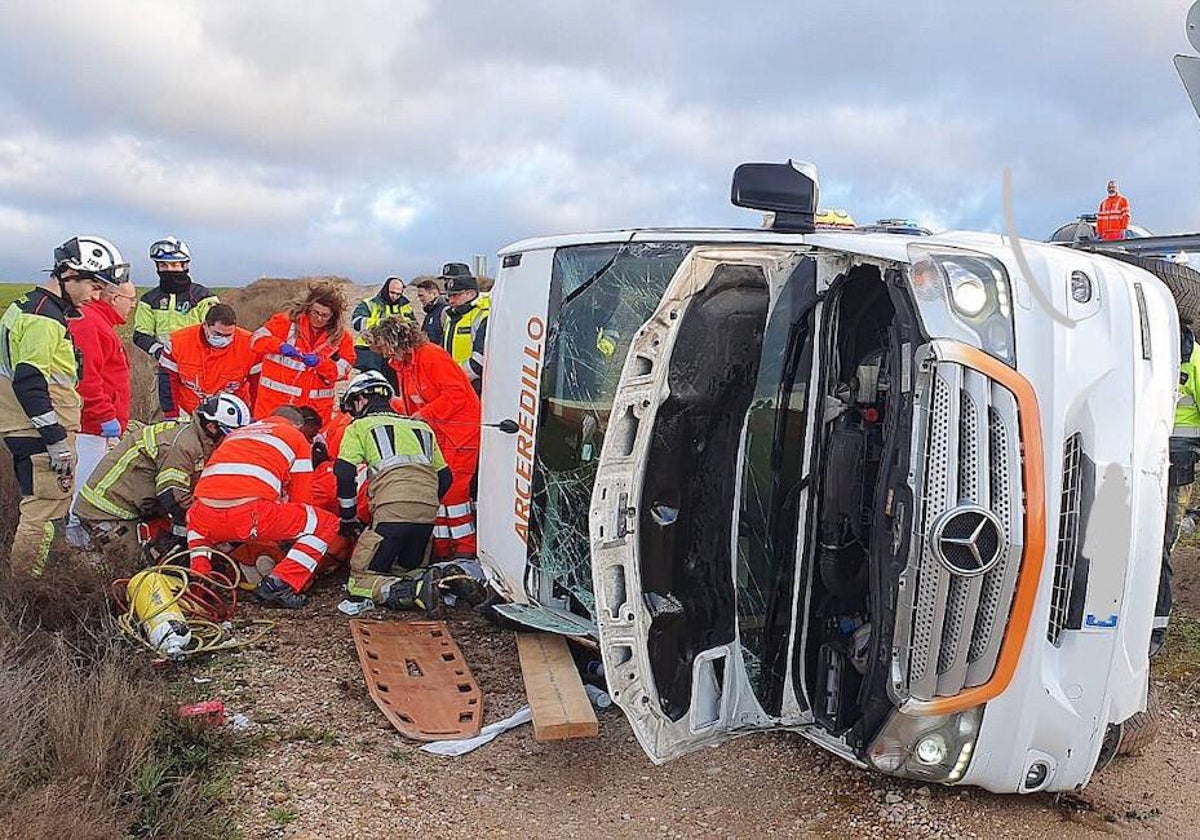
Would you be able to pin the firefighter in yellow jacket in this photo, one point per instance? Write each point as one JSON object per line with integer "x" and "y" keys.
{"x": 175, "y": 303}
{"x": 149, "y": 476}
{"x": 39, "y": 406}
{"x": 1184, "y": 448}
{"x": 406, "y": 478}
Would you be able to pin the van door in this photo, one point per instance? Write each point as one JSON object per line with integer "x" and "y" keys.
{"x": 664, "y": 518}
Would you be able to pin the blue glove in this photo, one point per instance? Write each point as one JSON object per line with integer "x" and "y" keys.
{"x": 289, "y": 350}
{"x": 310, "y": 359}
{"x": 110, "y": 428}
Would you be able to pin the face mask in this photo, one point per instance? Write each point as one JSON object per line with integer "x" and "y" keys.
{"x": 217, "y": 341}
{"x": 173, "y": 281}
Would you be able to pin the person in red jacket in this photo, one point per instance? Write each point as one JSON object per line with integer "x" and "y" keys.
{"x": 257, "y": 486}
{"x": 210, "y": 358}
{"x": 1112, "y": 220}
{"x": 305, "y": 351}
{"x": 435, "y": 389}
{"x": 103, "y": 384}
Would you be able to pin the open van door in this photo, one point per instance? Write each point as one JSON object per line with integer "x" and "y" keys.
{"x": 663, "y": 517}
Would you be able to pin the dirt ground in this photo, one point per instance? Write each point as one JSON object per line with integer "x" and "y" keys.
{"x": 323, "y": 763}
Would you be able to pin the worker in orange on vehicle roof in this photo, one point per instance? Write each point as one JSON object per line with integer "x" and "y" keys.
{"x": 435, "y": 389}
{"x": 210, "y": 358}
{"x": 305, "y": 351}
{"x": 258, "y": 486}
{"x": 1112, "y": 220}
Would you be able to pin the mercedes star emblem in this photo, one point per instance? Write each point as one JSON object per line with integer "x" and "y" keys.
{"x": 968, "y": 540}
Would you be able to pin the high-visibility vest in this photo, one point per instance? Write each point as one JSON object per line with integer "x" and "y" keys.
{"x": 371, "y": 311}
{"x": 458, "y": 332}
{"x": 269, "y": 460}
{"x": 385, "y": 442}
{"x": 1187, "y": 407}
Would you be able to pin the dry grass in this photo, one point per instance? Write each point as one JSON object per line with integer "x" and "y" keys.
{"x": 88, "y": 747}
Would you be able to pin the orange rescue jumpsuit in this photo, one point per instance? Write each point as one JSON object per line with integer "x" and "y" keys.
{"x": 1113, "y": 219}
{"x": 257, "y": 486}
{"x": 286, "y": 381}
{"x": 434, "y": 388}
{"x": 198, "y": 371}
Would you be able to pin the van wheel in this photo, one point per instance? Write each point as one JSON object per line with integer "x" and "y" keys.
{"x": 1182, "y": 280}
{"x": 1140, "y": 730}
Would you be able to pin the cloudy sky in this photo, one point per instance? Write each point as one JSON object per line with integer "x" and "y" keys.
{"x": 362, "y": 138}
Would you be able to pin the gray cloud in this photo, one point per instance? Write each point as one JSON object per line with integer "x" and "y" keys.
{"x": 284, "y": 138}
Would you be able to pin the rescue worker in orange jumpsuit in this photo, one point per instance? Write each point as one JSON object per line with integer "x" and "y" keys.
{"x": 257, "y": 486}
{"x": 305, "y": 351}
{"x": 435, "y": 389}
{"x": 210, "y": 358}
{"x": 1112, "y": 220}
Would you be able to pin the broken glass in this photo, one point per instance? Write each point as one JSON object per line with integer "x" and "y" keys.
{"x": 600, "y": 295}
{"x": 771, "y": 481}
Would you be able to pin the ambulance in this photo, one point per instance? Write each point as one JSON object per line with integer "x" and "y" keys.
{"x": 903, "y": 495}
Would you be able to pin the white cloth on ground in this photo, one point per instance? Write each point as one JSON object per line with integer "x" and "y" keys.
{"x": 463, "y": 746}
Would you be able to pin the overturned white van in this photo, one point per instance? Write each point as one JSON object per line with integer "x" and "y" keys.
{"x": 904, "y": 495}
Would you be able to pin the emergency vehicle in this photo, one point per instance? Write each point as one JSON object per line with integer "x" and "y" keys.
{"x": 904, "y": 495}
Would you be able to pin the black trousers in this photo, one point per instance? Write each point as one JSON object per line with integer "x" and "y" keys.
{"x": 402, "y": 544}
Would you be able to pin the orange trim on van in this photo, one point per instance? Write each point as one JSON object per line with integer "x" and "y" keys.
{"x": 1033, "y": 555}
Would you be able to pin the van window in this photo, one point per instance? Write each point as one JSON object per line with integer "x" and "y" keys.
{"x": 600, "y": 295}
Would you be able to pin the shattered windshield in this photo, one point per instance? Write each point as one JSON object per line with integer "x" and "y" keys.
{"x": 771, "y": 476}
{"x": 600, "y": 295}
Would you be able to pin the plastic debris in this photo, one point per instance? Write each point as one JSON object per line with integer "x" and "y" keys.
{"x": 240, "y": 723}
{"x": 598, "y": 696}
{"x": 349, "y": 607}
{"x": 453, "y": 749}
{"x": 208, "y": 713}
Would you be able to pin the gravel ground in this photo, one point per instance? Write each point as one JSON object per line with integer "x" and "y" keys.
{"x": 325, "y": 764}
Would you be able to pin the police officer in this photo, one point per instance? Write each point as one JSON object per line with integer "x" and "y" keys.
{"x": 176, "y": 303}
{"x": 39, "y": 406}
{"x": 1184, "y": 448}
{"x": 464, "y": 321}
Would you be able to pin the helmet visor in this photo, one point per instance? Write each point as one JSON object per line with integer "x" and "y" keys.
{"x": 167, "y": 250}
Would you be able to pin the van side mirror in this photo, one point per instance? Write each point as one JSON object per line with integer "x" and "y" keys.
{"x": 789, "y": 190}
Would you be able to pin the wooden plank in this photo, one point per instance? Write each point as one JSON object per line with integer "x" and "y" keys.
{"x": 560, "y": 706}
{"x": 418, "y": 678}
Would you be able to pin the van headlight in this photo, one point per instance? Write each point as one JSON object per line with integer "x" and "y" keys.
{"x": 975, "y": 295}
{"x": 936, "y": 748}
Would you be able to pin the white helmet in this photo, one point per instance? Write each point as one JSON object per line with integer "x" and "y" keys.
{"x": 367, "y": 382}
{"x": 226, "y": 410}
{"x": 170, "y": 249}
{"x": 92, "y": 255}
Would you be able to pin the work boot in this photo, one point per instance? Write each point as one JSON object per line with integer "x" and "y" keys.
{"x": 458, "y": 580}
{"x": 415, "y": 593}
{"x": 271, "y": 590}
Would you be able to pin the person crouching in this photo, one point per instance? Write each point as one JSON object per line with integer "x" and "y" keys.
{"x": 406, "y": 479}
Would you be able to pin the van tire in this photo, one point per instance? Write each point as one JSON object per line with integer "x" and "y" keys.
{"x": 1140, "y": 730}
{"x": 1182, "y": 280}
